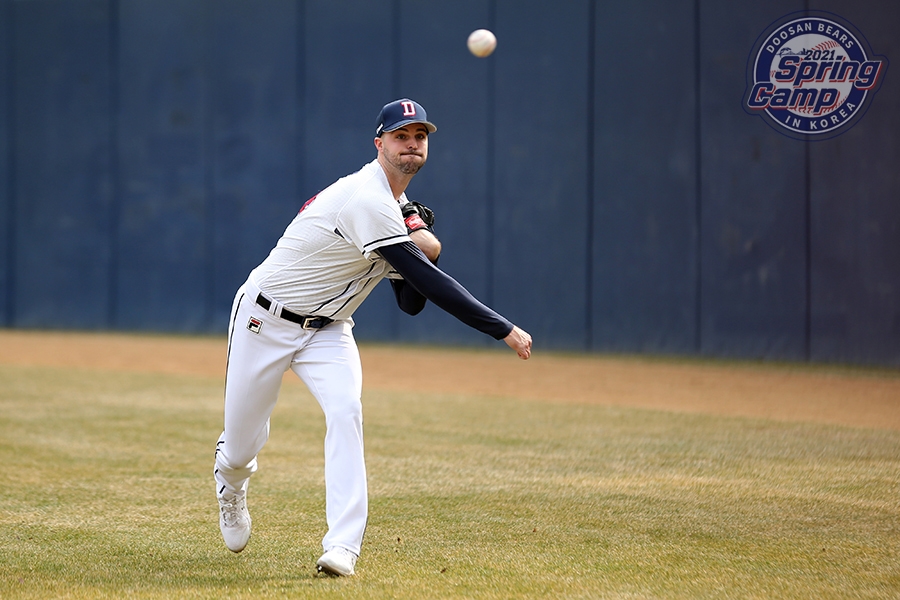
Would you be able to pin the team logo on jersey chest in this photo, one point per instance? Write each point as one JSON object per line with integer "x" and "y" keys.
{"x": 811, "y": 75}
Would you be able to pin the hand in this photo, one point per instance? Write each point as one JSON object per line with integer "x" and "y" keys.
{"x": 520, "y": 341}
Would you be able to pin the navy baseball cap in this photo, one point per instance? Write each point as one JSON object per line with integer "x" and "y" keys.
{"x": 398, "y": 113}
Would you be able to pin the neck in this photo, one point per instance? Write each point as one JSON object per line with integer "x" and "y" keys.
{"x": 397, "y": 180}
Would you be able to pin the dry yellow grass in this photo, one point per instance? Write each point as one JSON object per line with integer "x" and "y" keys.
{"x": 472, "y": 495}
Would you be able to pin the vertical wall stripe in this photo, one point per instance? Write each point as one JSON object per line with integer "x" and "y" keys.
{"x": 115, "y": 181}
{"x": 10, "y": 316}
{"x": 698, "y": 189}
{"x": 396, "y": 43}
{"x": 589, "y": 186}
{"x": 807, "y": 267}
{"x": 208, "y": 156}
{"x": 300, "y": 107}
{"x": 490, "y": 152}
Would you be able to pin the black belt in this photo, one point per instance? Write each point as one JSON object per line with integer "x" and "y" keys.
{"x": 305, "y": 322}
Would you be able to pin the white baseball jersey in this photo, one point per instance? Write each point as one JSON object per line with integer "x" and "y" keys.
{"x": 325, "y": 264}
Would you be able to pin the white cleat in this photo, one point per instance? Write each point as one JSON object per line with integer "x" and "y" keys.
{"x": 337, "y": 561}
{"x": 234, "y": 520}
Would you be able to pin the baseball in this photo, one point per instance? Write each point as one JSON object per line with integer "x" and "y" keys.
{"x": 482, "y": 42}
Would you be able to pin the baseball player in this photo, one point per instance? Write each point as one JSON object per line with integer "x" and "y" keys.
{"x": 294, "y": 312}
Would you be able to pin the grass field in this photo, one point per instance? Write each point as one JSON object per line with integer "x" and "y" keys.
{"x": 109, "y": 494}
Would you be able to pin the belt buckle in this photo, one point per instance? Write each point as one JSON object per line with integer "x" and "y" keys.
{"x": 311, "y": 323}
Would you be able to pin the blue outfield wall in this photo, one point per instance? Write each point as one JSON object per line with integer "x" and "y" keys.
{"x": 644, "y": 249}
{"x": 596, "y": 179}
{"x": 61, "y": 170}
{"x": 753, "y": 198}
{"x": 7, "y": 209}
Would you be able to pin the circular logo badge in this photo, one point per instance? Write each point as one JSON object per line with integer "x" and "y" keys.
{"x": 812, "y": 76}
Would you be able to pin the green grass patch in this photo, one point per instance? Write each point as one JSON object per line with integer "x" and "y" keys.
{"x": 109, "y": 494}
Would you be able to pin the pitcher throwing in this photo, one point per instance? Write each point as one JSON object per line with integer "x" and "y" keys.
{"x": 294, "y": 312}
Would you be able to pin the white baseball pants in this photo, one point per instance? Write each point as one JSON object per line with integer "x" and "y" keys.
{"x": 261, "y": 348}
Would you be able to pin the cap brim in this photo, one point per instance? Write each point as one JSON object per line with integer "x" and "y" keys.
{"x": 429, "y": 126}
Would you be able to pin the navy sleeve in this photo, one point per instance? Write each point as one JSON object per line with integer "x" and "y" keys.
{"x": 409, "y": 300}
{"x": 443, "y": 290}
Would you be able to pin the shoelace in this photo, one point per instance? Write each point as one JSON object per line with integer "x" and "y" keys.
{"x": 232, "y": 511}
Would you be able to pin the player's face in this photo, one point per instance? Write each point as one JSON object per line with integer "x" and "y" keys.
{"x": 406, "y": 149}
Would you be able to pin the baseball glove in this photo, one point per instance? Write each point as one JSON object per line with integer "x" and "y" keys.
{"x": 417, "y": 216}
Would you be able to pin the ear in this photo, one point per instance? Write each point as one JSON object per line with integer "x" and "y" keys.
{"x": 378, "y": 143}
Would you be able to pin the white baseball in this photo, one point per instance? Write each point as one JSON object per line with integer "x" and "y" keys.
{"x": 482, "y": 42}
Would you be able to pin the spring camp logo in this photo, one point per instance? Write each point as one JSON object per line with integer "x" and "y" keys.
{"x": 812, "y": 76}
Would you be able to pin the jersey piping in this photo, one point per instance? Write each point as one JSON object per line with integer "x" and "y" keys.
{"x": 325, "y": 263}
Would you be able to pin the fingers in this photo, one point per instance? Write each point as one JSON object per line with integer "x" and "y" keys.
{"x": 520, "y": 341}
{"x": 525, "y": 351}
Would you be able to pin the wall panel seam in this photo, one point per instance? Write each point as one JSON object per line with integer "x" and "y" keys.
{"x": 698, "y": 186}
{"x": 590, "y": 183}
{"x": 10, "y": 313}
{"x": 114, "y": 175}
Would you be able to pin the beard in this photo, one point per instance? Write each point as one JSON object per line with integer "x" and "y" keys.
{"x": 405, "y": 165}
